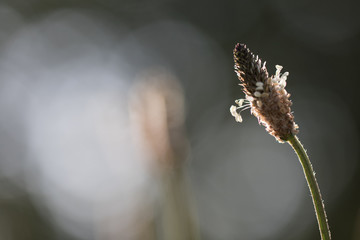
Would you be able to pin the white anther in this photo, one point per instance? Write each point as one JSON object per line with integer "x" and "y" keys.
{"x": 235, "y": 114}
{"x": 233, "y": 110}
{"x": 257, "y": 94}
{"x": 249, "y": 98}
{"x": 283, "y": 78}
{"x": 278, "y": 70}
{"x": 259, "y": 84}
{"x": 240, "y": 102}
{"x": 282, "y": 83}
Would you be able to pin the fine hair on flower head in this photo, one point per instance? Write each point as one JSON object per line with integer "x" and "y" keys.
{"x": 265, "y": 96}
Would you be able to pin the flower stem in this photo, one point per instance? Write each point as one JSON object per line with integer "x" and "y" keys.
{"x": 313, "y": 186}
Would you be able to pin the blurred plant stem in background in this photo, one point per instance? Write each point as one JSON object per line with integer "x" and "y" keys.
{"x": 176, "y": 219}
{"x": 157, "y": 109}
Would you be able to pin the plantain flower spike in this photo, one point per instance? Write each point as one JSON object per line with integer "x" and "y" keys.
{"x": 265, "y": 96}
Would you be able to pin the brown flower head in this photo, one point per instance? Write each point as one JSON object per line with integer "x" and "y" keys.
{"x": 265, "y": 96}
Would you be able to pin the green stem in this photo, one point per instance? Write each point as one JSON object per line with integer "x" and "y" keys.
{"x": 313, "y": 186}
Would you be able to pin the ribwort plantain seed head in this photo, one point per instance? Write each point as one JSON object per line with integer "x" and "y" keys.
{"x": 265, "y": 96}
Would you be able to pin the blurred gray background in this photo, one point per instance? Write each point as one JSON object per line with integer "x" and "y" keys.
{"x": 71, "y": 164}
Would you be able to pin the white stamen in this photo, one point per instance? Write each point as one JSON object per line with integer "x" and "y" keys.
{"x": 278, "y": 70}
{"x": 235, "y": 114}
{"x": 245, "y": 108}
{"x": 259, "y": 84}
{"x": 233, "y": 110}
{"x": 280, "y": 79}
{"x": 283, "y": 79}
{"x": 240, "y": 102}
{"x": 257, "y": 94}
